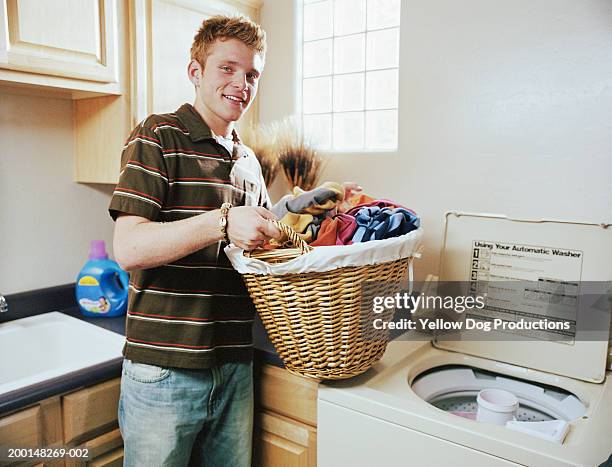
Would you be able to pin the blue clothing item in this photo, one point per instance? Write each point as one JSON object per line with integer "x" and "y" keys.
{"x": 375, "y": 223}
{"x": 178, "y": 417}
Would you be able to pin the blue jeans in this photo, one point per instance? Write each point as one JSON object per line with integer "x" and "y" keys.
{"x": 177, "y": 417}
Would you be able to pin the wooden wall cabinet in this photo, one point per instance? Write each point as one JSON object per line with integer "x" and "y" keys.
{"x": 70, "y": 44}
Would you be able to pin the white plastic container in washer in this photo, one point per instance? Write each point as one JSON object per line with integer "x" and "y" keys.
{"x": 496, "y": 406}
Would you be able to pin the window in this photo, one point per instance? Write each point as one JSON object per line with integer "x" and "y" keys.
{"x": 350, "y": 60}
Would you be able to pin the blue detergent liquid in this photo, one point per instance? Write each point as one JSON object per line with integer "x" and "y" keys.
{"x": 101, "y": 286}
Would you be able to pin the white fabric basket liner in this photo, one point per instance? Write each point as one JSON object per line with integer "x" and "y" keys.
{"x": 328, "y": 258}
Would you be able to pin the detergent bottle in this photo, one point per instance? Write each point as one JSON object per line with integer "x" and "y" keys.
{"x": 101, "y": 286}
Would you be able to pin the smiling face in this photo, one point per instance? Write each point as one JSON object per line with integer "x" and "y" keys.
{"x": 227, "y": 84}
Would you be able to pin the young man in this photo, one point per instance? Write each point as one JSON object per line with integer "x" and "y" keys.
{"x": 187, "y": 187}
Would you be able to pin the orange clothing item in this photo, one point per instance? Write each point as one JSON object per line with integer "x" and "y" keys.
{"x": 336, "y": 230}
{"x": 353, "y": 201}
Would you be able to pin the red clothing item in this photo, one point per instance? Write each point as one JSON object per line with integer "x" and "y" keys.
{"x": 336, "y": 230}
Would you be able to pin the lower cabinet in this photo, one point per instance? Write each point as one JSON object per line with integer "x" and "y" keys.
{"x": 284, "y": 436}
{"x": 104, "y": 450}
{"x": 84, "y": 419}
{"x": 285, "y": 431}
{"x": 280, "y": 441}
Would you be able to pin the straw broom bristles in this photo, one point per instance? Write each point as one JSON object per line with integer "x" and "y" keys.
{"x": 281, "y": 145}
{"x": 298, "y": 160}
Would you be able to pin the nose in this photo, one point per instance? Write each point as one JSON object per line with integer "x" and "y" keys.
{"x": 240, "y": 81}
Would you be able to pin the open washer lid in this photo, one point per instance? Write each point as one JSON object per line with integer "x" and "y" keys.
{"x": 550, "y": 251}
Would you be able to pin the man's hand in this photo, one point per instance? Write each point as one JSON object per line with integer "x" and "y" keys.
{"x": 248, "y": 227}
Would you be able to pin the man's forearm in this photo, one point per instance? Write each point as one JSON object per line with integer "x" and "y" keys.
{"x": 142, "y": 244}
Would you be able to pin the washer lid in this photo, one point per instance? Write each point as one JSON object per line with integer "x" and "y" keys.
{"x": 481, "y": 249}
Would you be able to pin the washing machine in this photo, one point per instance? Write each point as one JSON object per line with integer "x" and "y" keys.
{"x": 417, "y": 406}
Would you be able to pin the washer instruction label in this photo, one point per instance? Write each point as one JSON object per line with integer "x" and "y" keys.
{"x": 526, "y": 282}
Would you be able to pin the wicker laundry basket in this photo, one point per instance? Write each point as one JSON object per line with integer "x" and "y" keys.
{"x": 317, "y": 321}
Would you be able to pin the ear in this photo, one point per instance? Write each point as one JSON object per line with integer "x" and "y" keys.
{"x": 194, "y": 72}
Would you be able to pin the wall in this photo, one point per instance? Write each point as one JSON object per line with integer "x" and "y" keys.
{"x": 505, "y": 107}
{"x": 46, "y": 219}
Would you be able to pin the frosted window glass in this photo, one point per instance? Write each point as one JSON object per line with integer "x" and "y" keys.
{"x": 317, "y": 95}
{"x": 381, "y": 129}
{"x": 383, "y": 13}
{"x": 350, "y": 74}
{"x": 349, "y": 53}
{"x": 318, "y": 20}
{"x": 381, "y": 89}
{"x": 318, "y": 58}
{"x": 383, "y": 49}
{"x": 348, "y": 130}
{"x": 318, "y": 130}
{"x": 349, "y": 16}
{"x": 348, "y": 92}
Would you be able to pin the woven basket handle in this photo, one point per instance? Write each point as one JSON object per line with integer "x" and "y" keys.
{"x": 292, "y": 235}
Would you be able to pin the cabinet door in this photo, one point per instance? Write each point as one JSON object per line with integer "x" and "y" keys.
{"x": 33, "y": 427}
{"x": 111, "y": 459}
{"x": 280, "y": 441}
{"x": 21, "y": 429}
{"x": 281, "y": 392}
{"x": 163, "y": 33}
{"x": 68, "y": 38}
{"x": 91, "y": 410}
{"x": 99, "y": 449}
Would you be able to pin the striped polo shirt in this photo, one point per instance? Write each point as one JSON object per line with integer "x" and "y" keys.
{"x": 194, "y": 312}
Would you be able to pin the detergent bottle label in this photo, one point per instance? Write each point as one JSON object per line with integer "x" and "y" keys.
{"x": 101, "y": 305}
{"x": 88, "y": 280}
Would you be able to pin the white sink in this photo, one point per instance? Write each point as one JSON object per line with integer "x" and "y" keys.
{"x": 46, "y": 346}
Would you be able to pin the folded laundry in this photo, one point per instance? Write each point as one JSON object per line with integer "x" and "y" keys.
{"x": 336, "y": 230}
{"x": 376, "y": 223}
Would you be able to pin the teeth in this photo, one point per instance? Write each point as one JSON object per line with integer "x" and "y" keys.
{"x": 232, "y": 98}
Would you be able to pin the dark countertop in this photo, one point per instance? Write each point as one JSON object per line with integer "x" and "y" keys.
{"x": 14, "y": 400}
